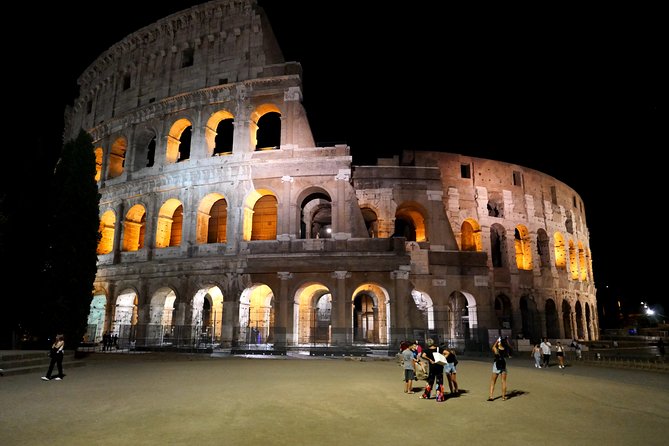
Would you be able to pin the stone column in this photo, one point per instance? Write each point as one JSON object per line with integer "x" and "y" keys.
{"x": 286, "y": 210}
{"x": 398, "y": 309}
{"x": 341, "y": 311}
{"x": 284, "y": 313}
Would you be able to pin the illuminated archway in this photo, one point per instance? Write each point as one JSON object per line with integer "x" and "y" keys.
{"x": 207, "y": 316}
{"x": 170, "y": 224}
{"x": 256, "y": 315}
{"x": 560, "y": 251}
{"x": 134, "y": 227}
{"x": 218, "y": 133}
{"x": 174, "y": 141}
{"x": 265, "y": 127}
{"x": 313, "y": 323}
{"x": 410, "y": 222}
{"x": 117, "y": 157}
{"x": 470, "y": 236}
{"x": 160, "y": 329}
{"x": 371, "y": 313}
{"x": 107, "y": 229}
{"x": 125, "y": 317}
{"x": 523, "y": 247}
{"x": 260, "y": 215}
{"x": 212, "y": 219}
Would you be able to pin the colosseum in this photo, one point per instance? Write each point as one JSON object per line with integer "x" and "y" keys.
{"x": 224, "y": 226}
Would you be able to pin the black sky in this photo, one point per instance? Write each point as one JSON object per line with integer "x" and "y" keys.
{"x": 574, "y": 92}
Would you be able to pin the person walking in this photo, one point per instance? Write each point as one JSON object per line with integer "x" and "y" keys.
{"x": 436, "y": 372}
{"x": 536, "y": 354}
{"x": 546, "y": 352}
{"x": 56, "y": 354}
{"x": 498, "y": 368}
{"x": 559, "y": 352}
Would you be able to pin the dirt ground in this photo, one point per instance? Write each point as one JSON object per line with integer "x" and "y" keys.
{"x": 179, "y": 399}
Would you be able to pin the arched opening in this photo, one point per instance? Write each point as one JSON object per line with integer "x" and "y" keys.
{"x": 107, "y": 228}
{"x": 371, "y": 222}
{"x": 219, "y": 133}
{"x": 316, "y": 216}
{"x": 170, "y": 224}
{"x": 543, "y": 248}
{"x": 160, "y": 329}
{"x": 265, "y": 213}
{"x": 503, "y": 312}
{"x": 145, "y": 149}
{"x": 98, "y": 163}
{"x": 363, "y": 318}
{"x": 212, "y": 218}
{"x": 178, "y": 141}
{"x": 117, "y": 158}
{"x": 269, "y": 131}
{"x": 134, "y": 228}
{"x": 582, "y": 265}
{"x": 566, "y": 319}
{"x": 96, "y": 317}
{"x": 573, "y": 261}
{"x": 560, "y": 251}
{"x": 523, "y": 247}
{"x": 530, "y": 319}
{"x": 495, "y": 205}
{"x": 370, "y": 314}
{"x": 410, "y": 222}
{"x": 125, "y": 318}
{"x": 580, "y": 332}
{"x": 256, "y": 315}
{"x": 552, "y": 320}
{"x": 207, "y": 317}
{"x": 470, "y": 236}
{"x": 498, "y": 246}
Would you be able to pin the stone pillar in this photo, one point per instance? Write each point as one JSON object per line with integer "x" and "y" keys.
{"x": 285, "y": 224}
{"x": 341, "y": 311}
{"x": 339, "y": 205}
{"x": 284, "y": 313}
{"x": 118, "y": 232}
{"x": 398, "y": 309}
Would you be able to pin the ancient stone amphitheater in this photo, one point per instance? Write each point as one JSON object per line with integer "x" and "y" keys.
{"x": 225, "y": 226}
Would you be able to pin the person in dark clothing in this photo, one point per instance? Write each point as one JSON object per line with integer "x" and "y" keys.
{"x": 56, "y": 354}
{"x": 436, "y": 372}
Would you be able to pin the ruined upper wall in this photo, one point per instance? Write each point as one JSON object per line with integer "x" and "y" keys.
{"x": 218, "y": 42}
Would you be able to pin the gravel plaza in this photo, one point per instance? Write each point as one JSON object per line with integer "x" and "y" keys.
{"x": 185, "y": 399}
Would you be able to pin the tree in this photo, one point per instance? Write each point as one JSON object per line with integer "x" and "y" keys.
{"x": 70, "y": 260}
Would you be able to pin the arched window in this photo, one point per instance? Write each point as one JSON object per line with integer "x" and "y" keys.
{"x": 410, "y": 222}
{"x": 582, "y": 266}
{"x": 133, "y": 228}
{"x": 560, "y": 251}
{"x": 264, "y": 218}
{"x": 219, "y": 133}
{"x": 573, "y": 261}
{"x": 543, "y": 248}
{"x": 117, "y": 158}
{"x": 107, "y": 227}
{"x": 470, "y": 236}
{"x": 269, "y": 131}
{"x": 176, "y": 139}
{"x": 170, "y": 222}
{"x": 497, "y": 246}
{"x": 218, "y": 222}
{"x": 523, "y": 247}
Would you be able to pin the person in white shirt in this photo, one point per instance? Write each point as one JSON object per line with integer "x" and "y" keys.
{"x": 545, "y": 347}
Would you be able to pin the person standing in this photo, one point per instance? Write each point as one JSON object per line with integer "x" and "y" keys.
{"x": 498, "y": 368}
{"x": 436, "y": 373}
{"x": 559, "y": 352}
{"x": 536, "y": 354}
{"x": 546, "y": 352}
{"x": 449, "y": 370}
{"x": 409, "y": 361}
{"x": 56, "y": 354}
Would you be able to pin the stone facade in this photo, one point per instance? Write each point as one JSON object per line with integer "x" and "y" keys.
{"x": 224, "y": 225}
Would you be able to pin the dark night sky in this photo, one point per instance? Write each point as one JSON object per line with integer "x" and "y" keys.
{"x": 575, "y": 93}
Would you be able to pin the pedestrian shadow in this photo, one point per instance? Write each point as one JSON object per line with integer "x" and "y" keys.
{"x": 515, "y": 393}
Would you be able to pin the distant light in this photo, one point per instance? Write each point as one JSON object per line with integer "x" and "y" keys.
{"x": 650, "y": 311}
{"x": 329, "y": 230}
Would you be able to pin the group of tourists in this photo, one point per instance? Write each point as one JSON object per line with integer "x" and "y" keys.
{"x": 439, "y": 360}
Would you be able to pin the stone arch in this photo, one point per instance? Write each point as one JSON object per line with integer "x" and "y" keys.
{"x": 219, "y": 133}
{"x": 370, "y": 314}
{"x": 145, "y": 148}
{"x": 523, "y": 248}
{"x": 315, "y": 213}
{"x": 566, "y": 319}
{"x": 313, "y": 315}
{"x": 462, "y": 319}
{"x": 543, "y": 248}
{"x": 106, "y": 230}
{"x": 207, "y": 316}
{"x": 261, "y": 210}
{"x": 580, "y": 330}
{"x": 175, "y": 152}
{"x": 498, "y": 246}
{"x": 503, "y": 312}
{"x": 125, "y": 316}
{"x": 370, "y": 217}
{"x": 410, "y": 222}
{"x": 495, "y": 205}
{"x": 134, "y": 227}
{"x": 170, "y": 224}
{"x": 530, "y": 318}
{"x": 98, "y": 163}
{"x": 582, "y": 264}
{"x": 212, "y": 219}
{"x": 266, "y": 127}
{"x": 256, "y": 315}
{"x": 470, "y": 236}
{"x": 573, "y": 261}
{"x": 552, "y": 320}
{"x": 560, "y": 251}
{"x": 117, "y": 157}
{"x": 97, "y": 316}
{"x": 160, "y": 327}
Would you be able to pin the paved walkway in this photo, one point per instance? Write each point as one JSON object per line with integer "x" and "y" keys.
{"x": 179, "y": 399}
